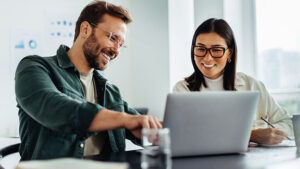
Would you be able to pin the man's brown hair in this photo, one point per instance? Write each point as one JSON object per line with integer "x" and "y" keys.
{"x": 94, "y": 12}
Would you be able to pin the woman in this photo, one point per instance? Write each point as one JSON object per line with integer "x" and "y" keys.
{"x": 214, "y": 56}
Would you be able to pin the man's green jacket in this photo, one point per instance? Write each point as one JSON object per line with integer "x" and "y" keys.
{"x": 54, "y": 116}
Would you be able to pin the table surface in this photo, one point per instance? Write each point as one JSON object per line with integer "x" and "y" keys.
{"x": 254, "y": 158}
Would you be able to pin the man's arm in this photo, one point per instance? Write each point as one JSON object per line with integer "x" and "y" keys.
{"x": 40, "y": 98}
{"x": 109, "y": 119}
{"x": 129, "y": 134}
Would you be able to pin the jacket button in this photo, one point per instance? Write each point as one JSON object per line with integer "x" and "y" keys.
{"x": 81, "y": 145}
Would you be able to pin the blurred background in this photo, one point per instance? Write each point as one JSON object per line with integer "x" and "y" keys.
{"x": 159, "y": 41}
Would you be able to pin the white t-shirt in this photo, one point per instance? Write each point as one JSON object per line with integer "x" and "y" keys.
{"x": 214, "y": 84}
{"x": 94, "y": 144}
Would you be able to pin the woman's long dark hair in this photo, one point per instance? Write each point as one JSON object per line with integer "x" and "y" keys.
{"x": 220, "y": 27}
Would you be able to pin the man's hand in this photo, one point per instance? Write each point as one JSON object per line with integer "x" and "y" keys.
{"x": 267, "y": 136}
{"x": 109, "y": 120}
{"x": 135, "y": 123}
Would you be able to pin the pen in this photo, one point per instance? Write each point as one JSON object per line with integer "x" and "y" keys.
{"x": 272, "y": 126}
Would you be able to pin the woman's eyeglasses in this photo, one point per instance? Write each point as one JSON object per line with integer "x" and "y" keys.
{"x": 215, "y": 52}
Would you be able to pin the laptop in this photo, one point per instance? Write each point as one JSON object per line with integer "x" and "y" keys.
{"x": 207, "y": 123}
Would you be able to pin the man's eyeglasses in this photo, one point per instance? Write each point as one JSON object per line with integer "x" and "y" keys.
{"x": 215, "y": 52}
{"x": 113, "y": 37}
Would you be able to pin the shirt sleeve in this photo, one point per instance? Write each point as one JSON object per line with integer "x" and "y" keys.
{"x": 129, "y": 135}
{"x": 180, "y": 86}
{"x": 38, "y": 96}
{"x": 273, "y": 112}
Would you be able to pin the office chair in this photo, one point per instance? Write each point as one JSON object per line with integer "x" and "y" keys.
{"x": 142, "y": 110}
{"x": 9, "y": 150}
{"x": 14, "y": 148}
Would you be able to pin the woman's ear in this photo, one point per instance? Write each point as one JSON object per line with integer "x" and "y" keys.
{"x": 229, "y": 56}
{"x": 230, "y": 52}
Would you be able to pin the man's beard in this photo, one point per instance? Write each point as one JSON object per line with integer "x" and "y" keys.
{"x": 91, "y": 51}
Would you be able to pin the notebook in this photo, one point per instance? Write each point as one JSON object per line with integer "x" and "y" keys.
{"x": 69, "y": 163}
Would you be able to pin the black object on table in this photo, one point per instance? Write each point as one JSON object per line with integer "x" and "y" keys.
{"x": 131, "y": 157}
{"x": 254, "y": 158}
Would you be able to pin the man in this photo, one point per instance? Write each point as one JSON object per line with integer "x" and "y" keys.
{"x": 66, "y": 108}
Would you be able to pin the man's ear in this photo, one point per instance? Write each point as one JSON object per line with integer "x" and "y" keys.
{"x": 85, "y": 30}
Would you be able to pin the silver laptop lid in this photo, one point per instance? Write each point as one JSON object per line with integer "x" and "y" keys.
{"x": 203, "y": 123}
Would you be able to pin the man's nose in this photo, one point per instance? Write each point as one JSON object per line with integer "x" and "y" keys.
{"x": 117, "y": 46}
{"x": 116, "y": 49}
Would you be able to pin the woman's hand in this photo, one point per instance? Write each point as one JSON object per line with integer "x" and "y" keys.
{"x": 267, "y": 136}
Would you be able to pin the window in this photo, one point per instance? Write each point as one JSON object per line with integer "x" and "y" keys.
{"x": 278, "y": 47}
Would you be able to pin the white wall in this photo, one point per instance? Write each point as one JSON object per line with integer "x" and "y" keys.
{"x": 240, "y": 14}
{"x": 181, "y": 30}
{"x": 205, "y": 9}
{"x": 158, "y": 55}
{"x": 142, "y": 70}
{"x": 7, "y": 101}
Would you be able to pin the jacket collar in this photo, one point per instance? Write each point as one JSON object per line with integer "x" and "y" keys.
{"x": 99, "y": 75}
{"x": 65, "y": 62}
{"x": 63, "y": 57}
